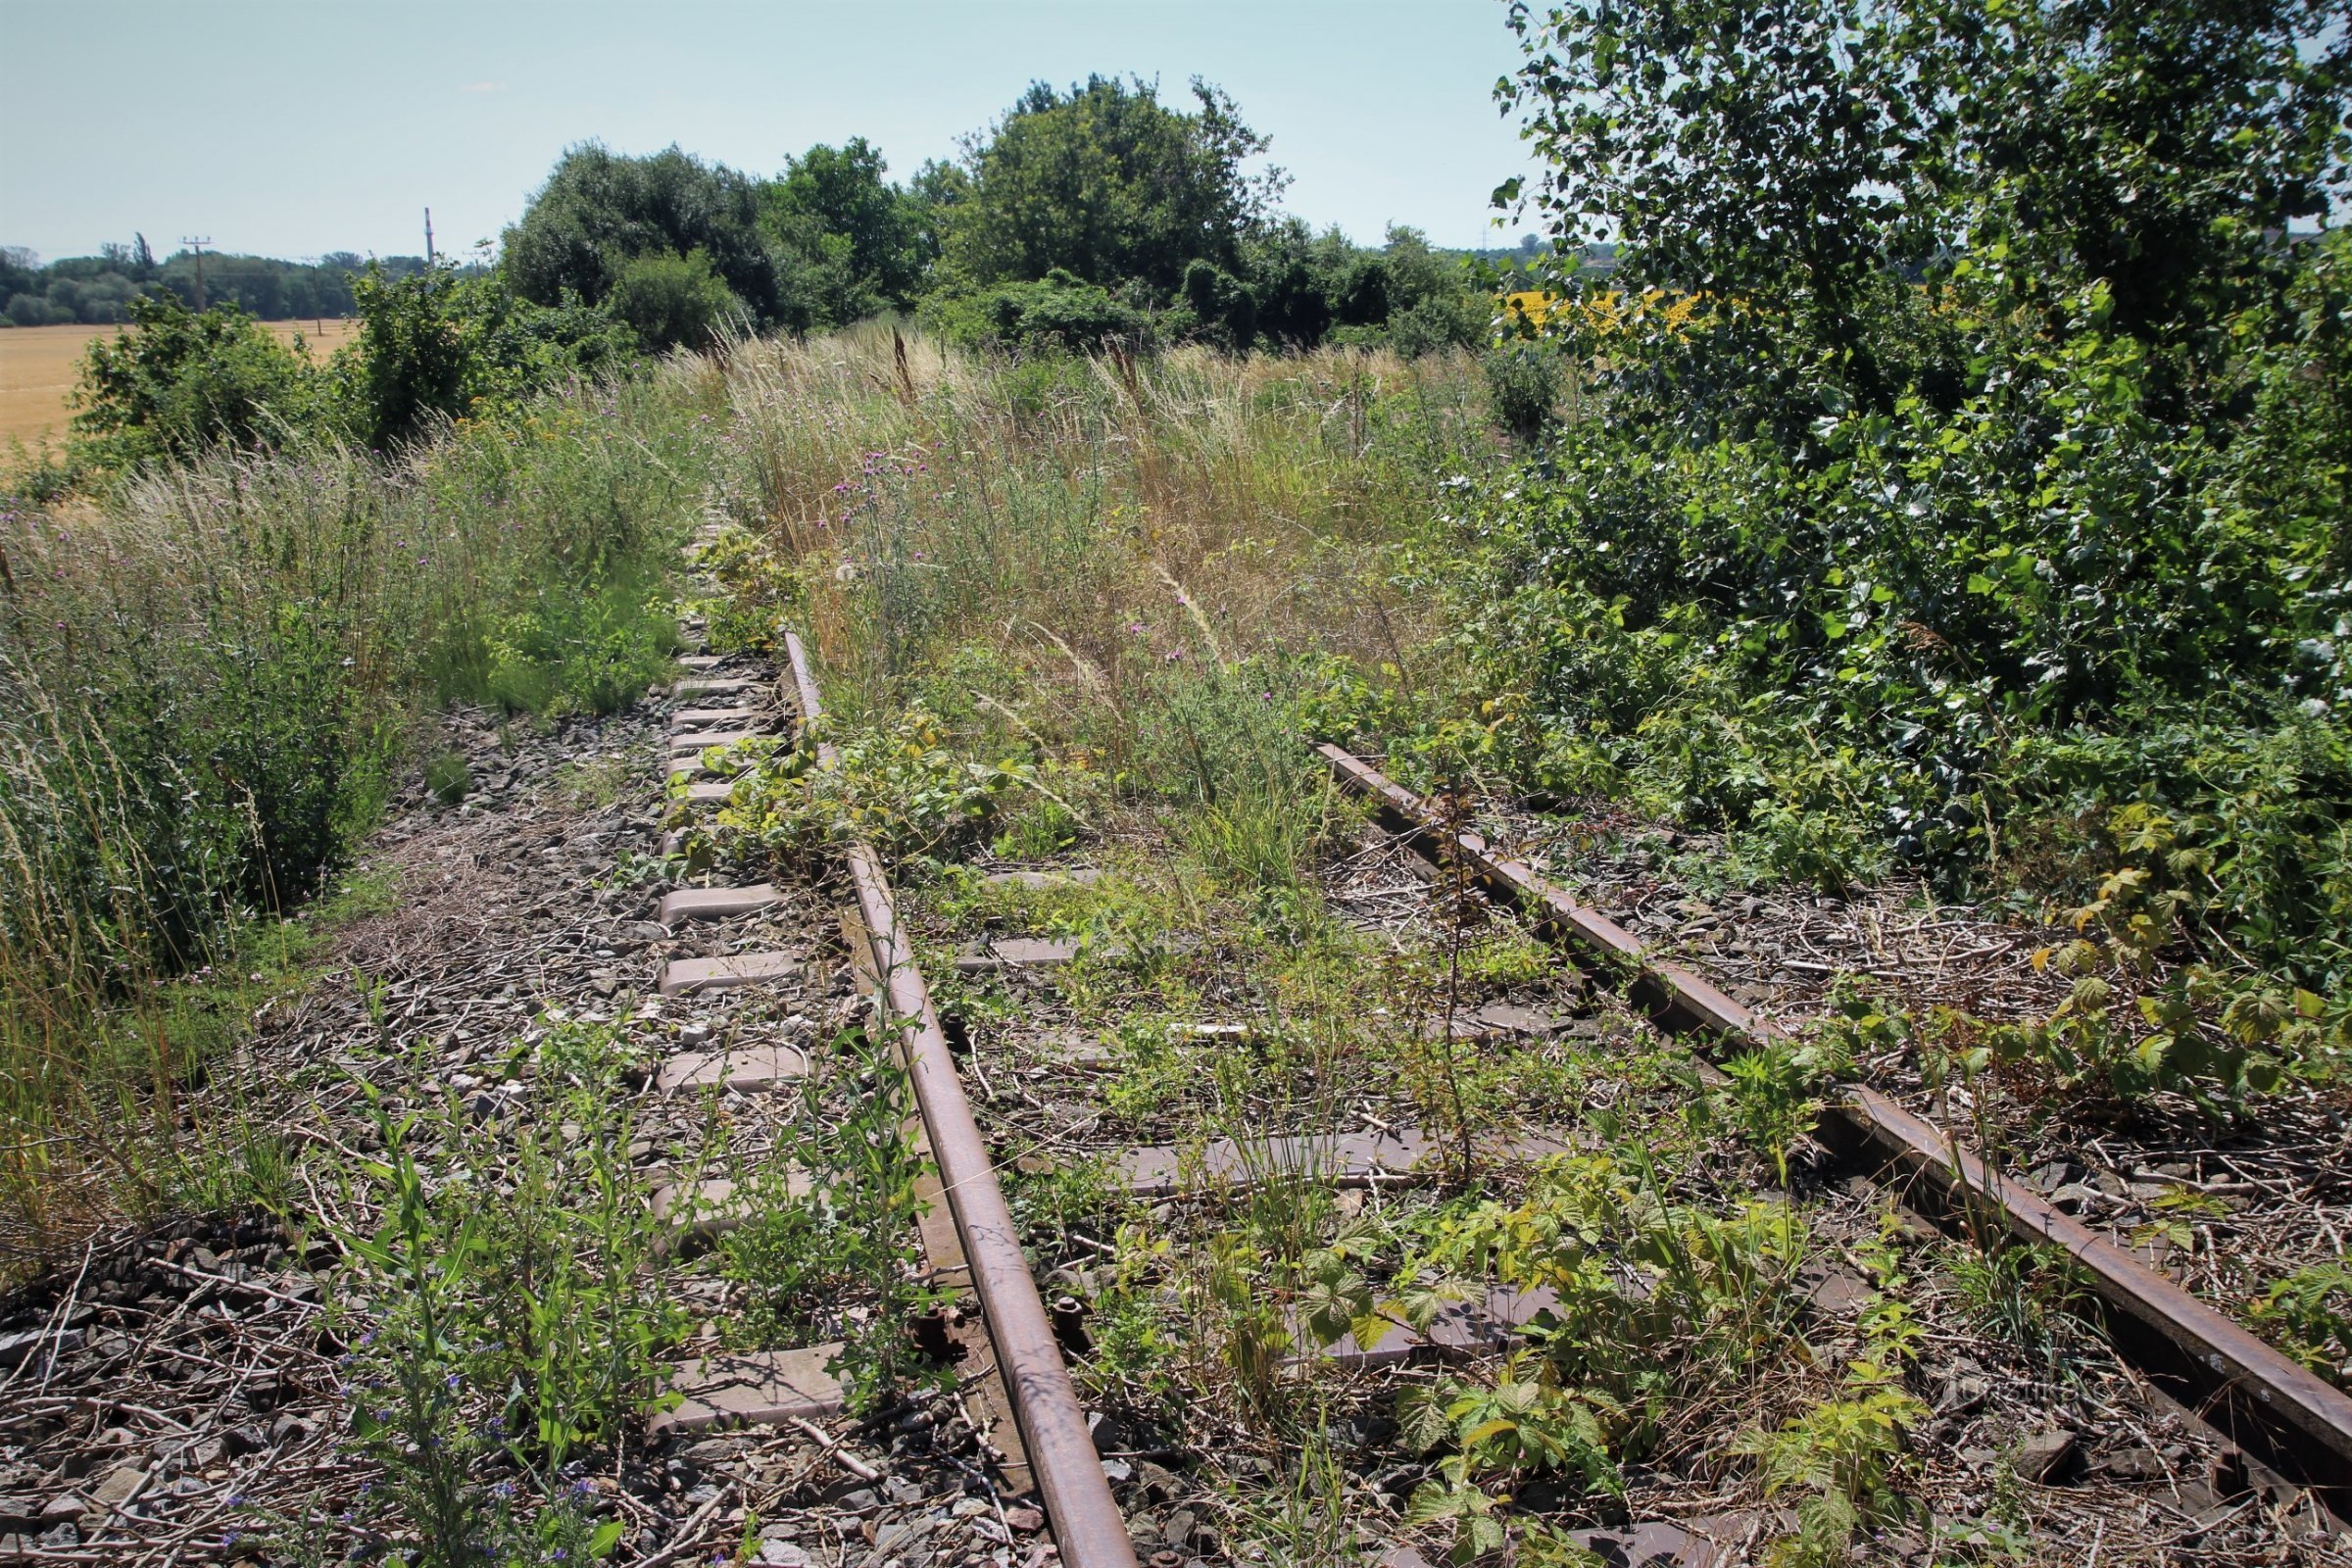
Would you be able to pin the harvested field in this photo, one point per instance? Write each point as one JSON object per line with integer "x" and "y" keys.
{"x": 37, "y": 365}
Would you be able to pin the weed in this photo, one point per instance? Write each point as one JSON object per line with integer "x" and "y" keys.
{"x": 449, "y": 777}
{"x": 505, "y": 1336}
{"x": 827, "y": 1246}
{"x": 2308, "y": 1313}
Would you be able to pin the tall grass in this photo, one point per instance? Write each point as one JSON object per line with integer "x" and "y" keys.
{"x": 206, "y": 681}
{"x": 1098, "y": 522}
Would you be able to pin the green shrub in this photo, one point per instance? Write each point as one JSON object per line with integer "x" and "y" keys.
{"x": 1523, "y": 388}
{"x": 669, "y": 301}
{"x": 1057, "y": 315}
{"x": 179, "y": 382}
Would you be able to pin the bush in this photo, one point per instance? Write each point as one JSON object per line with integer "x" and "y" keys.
{"x": 436, "y": 346}
{"x": 1060, "y": 315}
{"x": 672, "y": 300}
{"x": 1523, "y": 388}
{"x": 179, "y": 382}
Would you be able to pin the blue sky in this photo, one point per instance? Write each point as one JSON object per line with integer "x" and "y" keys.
{"x": 294, "y": 128}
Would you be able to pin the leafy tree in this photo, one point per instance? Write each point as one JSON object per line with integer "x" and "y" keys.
{"x": 179, "y": 382}
{"x": 1973, "y": 454}
{"x": 1108, "y": 185}
{"x": 600, "y": 210}
{"x": 833, "y": 209}
{"x": 672, "y": 300}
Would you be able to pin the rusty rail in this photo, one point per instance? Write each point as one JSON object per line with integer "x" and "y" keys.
{"x": 1088, "y": 1525}
{"x": 2234, "y": 1376}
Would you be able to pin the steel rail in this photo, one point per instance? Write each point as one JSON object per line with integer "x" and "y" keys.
{"x": 1088, "y": 1527}
{"x": 2213, "y": 1353}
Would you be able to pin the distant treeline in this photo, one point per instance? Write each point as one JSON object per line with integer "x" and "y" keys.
{"x": 98, "y": 290}
{"x": 1089, "y": 218}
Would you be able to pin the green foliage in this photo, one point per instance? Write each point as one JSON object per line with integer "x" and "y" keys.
{"x": 98, "y": 290}
{"x": 505, "y": 1337}
{"x": 669, "y": 301}
{"x": 1840, "y": 1453}
{"x": 757, "y": 592}
{"x": 1058, "y": 314}
{"x": 571, "y": 652}
{"x": 1971, "y": 469}
{"x": 1107, "y": 184}
{"x": 2308, "y": 1313}
{"x": 899, "y": 787}
{"x": 449, "y": 777}
{"x": 1775, "y": 1094}
{"x": 827, "y": 1248}
{"x": 1523, "y": 387}
{"x": 179, "y": 382}
{"x": 435, "y": 345}
{"x": 860, "y": 244}
{"x": 600, "y": 210}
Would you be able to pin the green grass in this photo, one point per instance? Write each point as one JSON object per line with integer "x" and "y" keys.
{"x": 210, "y": 678}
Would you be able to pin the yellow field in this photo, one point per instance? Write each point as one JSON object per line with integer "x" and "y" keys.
{"x": 37, "y": 365}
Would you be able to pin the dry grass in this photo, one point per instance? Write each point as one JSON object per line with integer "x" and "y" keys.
{"x": 37, "y": 365}
{"x": 1091, "y": 518}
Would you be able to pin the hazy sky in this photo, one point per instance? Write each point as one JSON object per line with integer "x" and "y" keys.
{"x": 295, "y": 128}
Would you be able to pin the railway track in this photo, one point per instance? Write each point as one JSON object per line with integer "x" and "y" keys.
{"x": 2287, "y": 1434}
{"x": 1099, "y": 1123}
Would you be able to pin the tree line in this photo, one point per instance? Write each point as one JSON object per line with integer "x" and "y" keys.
{"x": 97, "y": 290}
{"x": 1094, "y": 214}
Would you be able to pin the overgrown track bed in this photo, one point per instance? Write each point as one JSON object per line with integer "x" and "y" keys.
{"x": 1173, "y": 1112}
{"x": 2222, "y": 1204}
{"x": 627, "y": 1134}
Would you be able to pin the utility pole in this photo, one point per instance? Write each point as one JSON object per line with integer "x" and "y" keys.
{"x": 197, "y": 246}
{"x": 428, "y": 236}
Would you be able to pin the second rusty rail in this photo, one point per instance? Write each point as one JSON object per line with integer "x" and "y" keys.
{"x": 1088, "y": 1525}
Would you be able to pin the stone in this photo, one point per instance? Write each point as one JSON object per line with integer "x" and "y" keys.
{"x": 2044, "y": 1454}
{"x": 715, "y": 686}
{"x": 706, "y": 717}
{"x": 685, "y": 977}
{"x": 2134, "y": 1464}
{"x": 1510, "y": 1017}
{"x": 63, "y": 1508}
{"x": 1705, "y": 1542}
{"x": 718, "y": 904}
{"x": 716, "y": 1207}
{"x": 745, "y": 1069}
{"x": 766, "y": 1388}
{"x": 1349, "y": 1159}
{"x": 698, "y": 740}
{"x": 782, "y": 1554}
{"x": 120, "y": 1484}
{"x": 1025, "y": 1520}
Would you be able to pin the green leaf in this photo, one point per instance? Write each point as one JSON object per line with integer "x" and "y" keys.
{"x": 1979, "y": 583}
